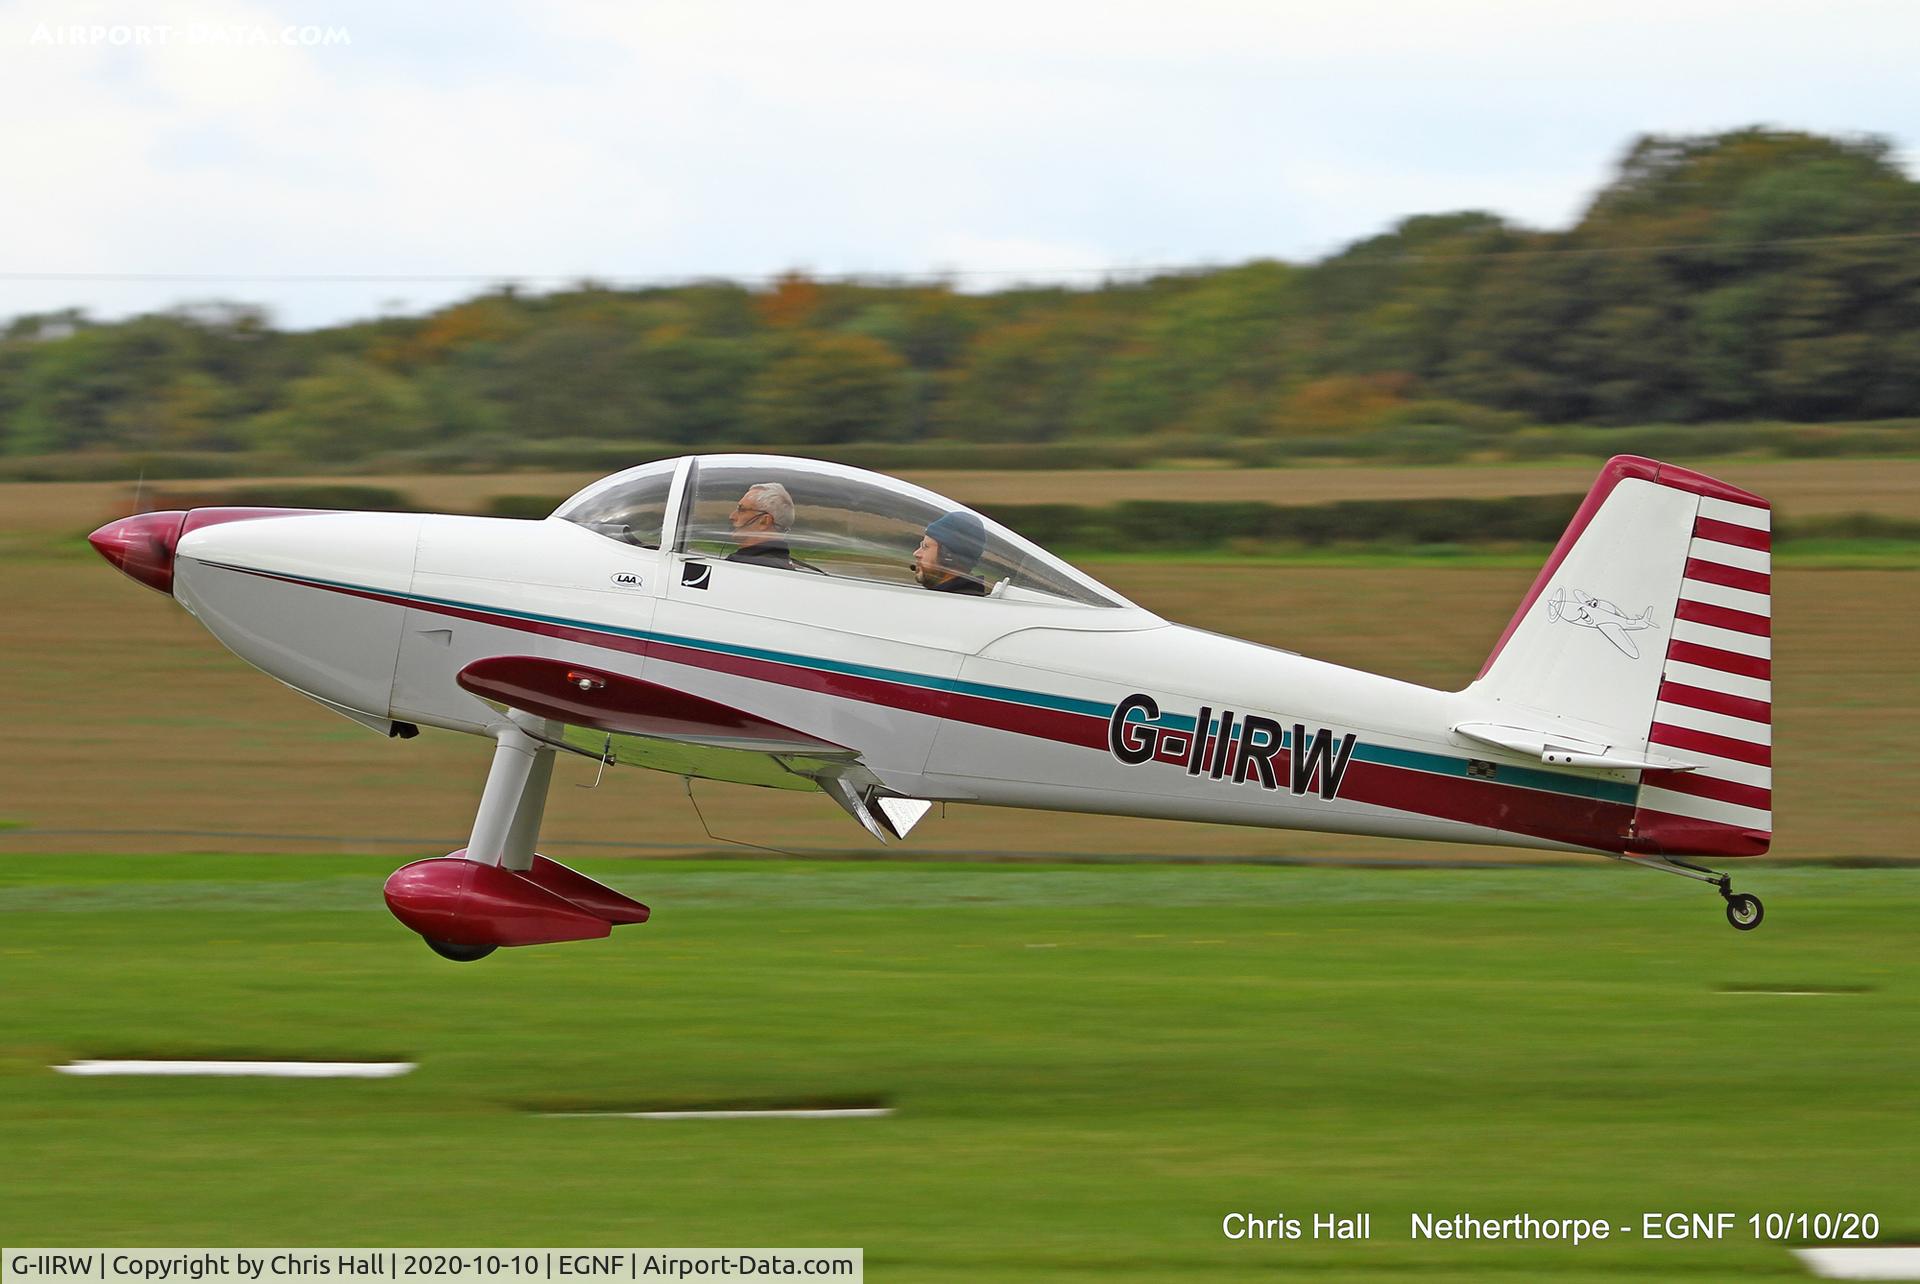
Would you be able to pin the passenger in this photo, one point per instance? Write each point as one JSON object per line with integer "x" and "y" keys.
{"x": 760, "y": 524}
{"x": 948, "y": 553}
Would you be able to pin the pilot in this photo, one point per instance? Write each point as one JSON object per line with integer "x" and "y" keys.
{"x": 760, "y": 524}
{"x": 948, "y": 553}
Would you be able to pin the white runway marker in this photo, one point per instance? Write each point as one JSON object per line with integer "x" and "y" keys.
{"x": 864, "y": 1112}
{"x": 261, "y": 1069}
{"x": 1862, "y": 1263}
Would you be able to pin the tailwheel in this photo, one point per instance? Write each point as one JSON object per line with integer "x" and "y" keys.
{"x": 1744, "y": 910}
{"x": 473, "y": 953}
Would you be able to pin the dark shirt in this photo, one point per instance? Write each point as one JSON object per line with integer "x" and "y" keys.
{"x": 771, "y": 553}
{"x": 960, "y": 584}
{"x": 767, "y": 553}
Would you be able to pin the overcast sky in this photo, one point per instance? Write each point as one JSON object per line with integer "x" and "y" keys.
{"x": 1005, "y": 140}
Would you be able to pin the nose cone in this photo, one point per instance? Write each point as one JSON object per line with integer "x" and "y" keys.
{"x": 142, "y": 546}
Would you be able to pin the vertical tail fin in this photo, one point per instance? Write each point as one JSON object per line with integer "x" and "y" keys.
{"x": 1650, "y": 630}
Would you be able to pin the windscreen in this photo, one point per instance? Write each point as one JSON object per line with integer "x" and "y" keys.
{"x": 630, "y": 506}
{"x": 821, "y": 519}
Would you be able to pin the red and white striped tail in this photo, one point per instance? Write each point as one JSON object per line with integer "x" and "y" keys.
{"x": 1715, "y": 701}
{"x": 1650, "y": 630}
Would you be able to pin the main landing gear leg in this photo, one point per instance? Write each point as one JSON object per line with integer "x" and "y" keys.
{"x": 1744, "y": 909}
{"x": 507, "y": 825}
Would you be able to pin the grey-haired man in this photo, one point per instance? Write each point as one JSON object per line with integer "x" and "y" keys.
{"x": 760, "y": 524}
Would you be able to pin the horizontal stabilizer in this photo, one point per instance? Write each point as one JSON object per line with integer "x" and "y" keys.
{"x": 1557, "y": 749}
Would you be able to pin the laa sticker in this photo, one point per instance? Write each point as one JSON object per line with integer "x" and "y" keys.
{"x": 1592, "y": 612}
{"x": 625, "y": 579}
{"x": 1226, "y": 751}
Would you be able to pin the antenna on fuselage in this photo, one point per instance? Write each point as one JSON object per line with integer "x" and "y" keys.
{"x": 721, "y": 838}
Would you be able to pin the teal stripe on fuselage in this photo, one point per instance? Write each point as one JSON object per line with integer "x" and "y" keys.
{"x": 1037, "y": 699}
{"x": 1440, "y": 764}
{"x": 1384, "y": 755}
{"x": 1615, "y": 791}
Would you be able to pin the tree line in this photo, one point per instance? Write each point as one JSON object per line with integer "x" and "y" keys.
{"x": 1746, "y": 276}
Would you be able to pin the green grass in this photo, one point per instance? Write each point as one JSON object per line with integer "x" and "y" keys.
{"x": 1091, "y": 1065}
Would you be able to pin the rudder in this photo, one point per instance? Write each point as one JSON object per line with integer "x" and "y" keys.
{"x": 1715, "y": 703}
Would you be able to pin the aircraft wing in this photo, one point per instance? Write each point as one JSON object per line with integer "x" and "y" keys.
{"x": 632, "y": 722}
{"x": 705, "y": 762}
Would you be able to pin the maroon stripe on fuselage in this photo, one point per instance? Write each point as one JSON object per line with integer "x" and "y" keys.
{"x": 1080, "y": 729}
{"x": 1712, "y": 657}
{"x": 1561, "y": 818}
{"x": 1051, "y": 724}
{"x": 588, "y": 637}
{"x": 567, "y": 632}
{"x": 1537, "y": 814}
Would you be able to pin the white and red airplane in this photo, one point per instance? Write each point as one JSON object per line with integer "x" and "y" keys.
{"x": 804, "y": 625}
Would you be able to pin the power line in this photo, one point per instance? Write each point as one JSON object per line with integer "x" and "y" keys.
{"x": 598, "y": 278}
{"x": 633, "y": 280}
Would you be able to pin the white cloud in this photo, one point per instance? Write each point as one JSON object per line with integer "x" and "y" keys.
{"x": 611, "y": 138}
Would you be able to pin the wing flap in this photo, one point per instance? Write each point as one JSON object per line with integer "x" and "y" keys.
{"x": 705, "y": 762}
{"x": 1557, "y": 749}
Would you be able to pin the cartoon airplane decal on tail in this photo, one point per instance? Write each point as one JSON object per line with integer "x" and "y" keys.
{"x": 1591, "y": 612}
{"x": 802, "y": 625}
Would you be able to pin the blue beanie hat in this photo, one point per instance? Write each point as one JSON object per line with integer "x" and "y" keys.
{"x": 961, "y": 537}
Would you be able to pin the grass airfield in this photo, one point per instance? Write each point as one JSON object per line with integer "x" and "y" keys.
{"x": 1090, "y": 1066}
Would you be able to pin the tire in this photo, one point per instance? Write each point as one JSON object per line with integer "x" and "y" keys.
{"x": 1744, "y": 911}
{"x": 459, "y": 953}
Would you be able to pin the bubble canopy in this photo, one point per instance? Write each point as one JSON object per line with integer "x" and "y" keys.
{"x": 820, "y": 519}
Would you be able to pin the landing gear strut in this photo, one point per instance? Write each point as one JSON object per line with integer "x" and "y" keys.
{"x": 497, "y": 890}
{"x": 1744, "y": 909}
